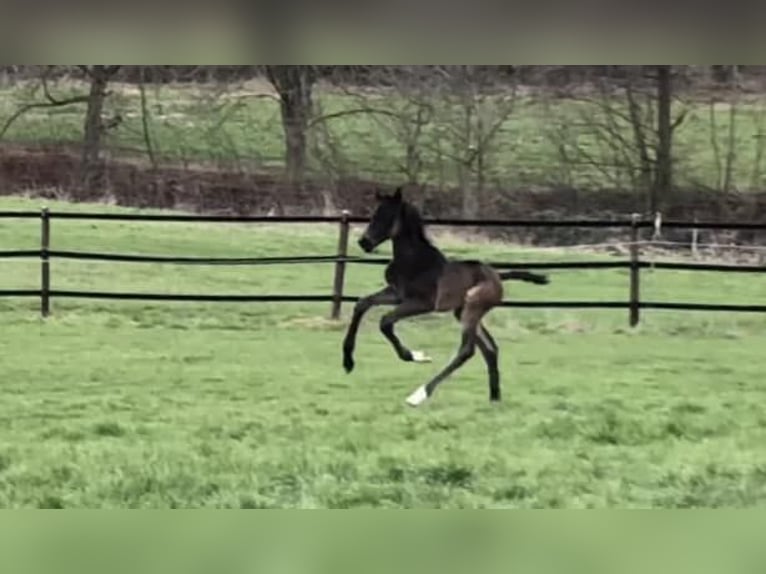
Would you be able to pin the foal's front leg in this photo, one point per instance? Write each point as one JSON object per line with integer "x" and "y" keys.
{"x": 385, "y": 296}
{"x": 408, "y": 308}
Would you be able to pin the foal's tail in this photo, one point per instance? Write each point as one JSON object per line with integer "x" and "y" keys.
{"x": 524, "y": 276}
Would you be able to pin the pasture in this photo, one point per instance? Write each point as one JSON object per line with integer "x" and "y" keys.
{"x": 128, "y": 404}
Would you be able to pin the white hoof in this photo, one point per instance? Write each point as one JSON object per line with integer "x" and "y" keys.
{"x": 417, "y": 397}
{"x": 420, "y": 357}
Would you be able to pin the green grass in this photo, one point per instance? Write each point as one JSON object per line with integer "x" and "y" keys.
{"x": 111, "y": 404}
{"x": 199, "y": 124}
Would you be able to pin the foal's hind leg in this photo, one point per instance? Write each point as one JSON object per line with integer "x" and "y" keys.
{"x": 470, "y": 319}
{"x": 409, "y": 308}
{"x": 489, "y": 351}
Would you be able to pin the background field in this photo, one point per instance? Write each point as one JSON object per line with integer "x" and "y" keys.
{"x": 110, "y": 404}
{"x": 240, "y": 125}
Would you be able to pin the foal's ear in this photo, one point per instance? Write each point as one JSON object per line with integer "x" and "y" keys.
{"x": 398, "y": 194}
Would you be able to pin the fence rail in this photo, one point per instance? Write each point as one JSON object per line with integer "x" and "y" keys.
{"x": 236, "y": 298}
{"x": 340, "y": 259}
{"x": 450, "y": 222}
{"x": 303, "y": 259}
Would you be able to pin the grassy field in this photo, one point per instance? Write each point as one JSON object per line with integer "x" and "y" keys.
{"x": 110, "y": 404}
{"x": 196, "y": 123}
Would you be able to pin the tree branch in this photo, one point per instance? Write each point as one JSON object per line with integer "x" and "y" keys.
{"x": 355, "y": 111}
{"x": 679, "y": 120}
{"x": 51, "y": 103}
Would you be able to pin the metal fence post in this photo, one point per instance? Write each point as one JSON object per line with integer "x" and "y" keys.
{"x": 45, "y": 272}
{"x": 340, "y": 266}
{"x": 635, "y": 268}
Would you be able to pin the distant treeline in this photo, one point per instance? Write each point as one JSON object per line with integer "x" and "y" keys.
{"x": 383, "y": 75}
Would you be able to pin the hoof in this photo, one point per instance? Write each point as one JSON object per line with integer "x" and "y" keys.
{"x": 348, "y": 364}
{"x": 420, "y": 357}
{"x": 418, "y": 397}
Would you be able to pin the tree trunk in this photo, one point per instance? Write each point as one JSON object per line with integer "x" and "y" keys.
{"x": 731, "y": 154}
{"x": 646, "y": 168}
{"x": 294, "y": 85}
{"x": 145, "y": 117}
{"x": 469, "y": 207}
{"x": 466, "y": 149}
{"x": 663, "y": 181}
{"x": 91, "y": 168}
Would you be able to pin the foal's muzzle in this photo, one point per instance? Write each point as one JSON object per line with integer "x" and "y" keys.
{"x": 366, "y": 244}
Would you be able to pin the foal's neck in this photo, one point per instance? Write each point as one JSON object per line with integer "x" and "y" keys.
{"x": 411, "y": 241}
{"x": 405, "y": 246}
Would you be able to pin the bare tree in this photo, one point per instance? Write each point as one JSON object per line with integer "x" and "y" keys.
{"x": 725, "y": 164}
{"x": 49, "y": 100}
{"x": 759, "y": 136}
{"x": 470, "y": 120}
{"x": 93, "y": 128}
{"x": 145, "y": 117}
{"x": 401, "y": 107}
{"x": 91, "y": 168}
{"x": 630, "y": 123}
{"x": 443, "y": 119}
{"x": 294, "y": 85}
{"x": 663, "y": 181}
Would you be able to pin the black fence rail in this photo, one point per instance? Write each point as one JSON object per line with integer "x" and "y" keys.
{"x": 340, "y": 259}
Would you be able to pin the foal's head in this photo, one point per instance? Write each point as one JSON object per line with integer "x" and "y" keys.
{"x": 385, "y": 222}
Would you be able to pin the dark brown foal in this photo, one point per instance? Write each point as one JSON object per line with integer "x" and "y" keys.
{"x": 422, "y": 280}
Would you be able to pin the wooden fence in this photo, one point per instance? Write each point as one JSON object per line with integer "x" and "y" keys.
{"x": 340, "y": 259}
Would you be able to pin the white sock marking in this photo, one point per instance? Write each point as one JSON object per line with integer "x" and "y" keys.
{"x": 420, "y": 357}
{"x": 418, "y": 396}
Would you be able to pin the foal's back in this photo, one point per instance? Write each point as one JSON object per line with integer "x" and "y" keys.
{"x": 461, "y": 281}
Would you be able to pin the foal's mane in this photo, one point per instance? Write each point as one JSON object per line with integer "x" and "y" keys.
{"x": 412, "y": 222}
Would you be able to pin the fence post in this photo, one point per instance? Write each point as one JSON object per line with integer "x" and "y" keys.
{"x": 340, "y": 266}
{"x": 634, "y": 271}
{"x": 695, "y": 240}
{"x": 45, "y": 273}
